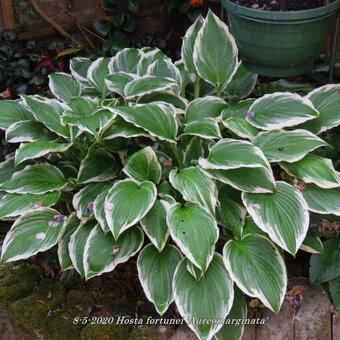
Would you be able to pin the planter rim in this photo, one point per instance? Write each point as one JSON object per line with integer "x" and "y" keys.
{"x": 279, "y": 15}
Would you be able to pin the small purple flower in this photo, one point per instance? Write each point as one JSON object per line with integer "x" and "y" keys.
{"x": 250, "y": 114}
{"x": 57, "y": 220}
{"x": 90, "y": 207}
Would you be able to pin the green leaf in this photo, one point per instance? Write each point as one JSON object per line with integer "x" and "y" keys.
{"x": 205, "y": 128}
{"x": 238, "y": 109}
{"x": 195, "y": 300}
{"x": 83, "y": 200}
{"x": 97, "y": 72}
{"x": 195, "y": 187}
{"x": 28, "y": 131}
{"x": 76, "y": 246}
{"x": 68, "y": 229}
{"x": 38, "y": 149}
{"x": 79, "y": 67}
{"x": 99, "y": 209}
{"x": 188, "y": 44}
{"x": 230, "y": 330}
{"x": 195, "y": 232}
{"x": 156, "y": 271}
{"x": 282, "y": 214}
{"x": 125, "y": 60}
{"x": 135, "y": 200}
{"x": 325, "y": 267}
{"x": 166, "y": 97}
{"x": 121, "y": 128}
{"x": 111, "y": 252}
{"x": 7, "y": 169}
{"x": 148, "y": 58}
{"x": 165, "y": 69}
{"x": 116, "y": 82}
{"x": 314, "y": 169}
{"x": 233, "y": 154}
{"x": 242, "y": 84}
{"x": 48, "y": 112}
{"x": 334, "y": 289}
{"x": 312, "y": 244}
{"x": 144, "y": 166}
{"x": 258, "y": 269}
{"x": 12, "y": 205}
{"x": 12, "y": 111}
{"x": 205, "y": 107}
{"x": 64, "y": 86}
{"x": 193, "y": 151}
{"x": 240, "y": 127}
{"x": 149, "y": 84}
{"x": 33, "y": 232}
{"x": 154, "y": 222}
{"x": 322, "y": 201}
{"x": 215, "y": 52}
{"x": 326, "y": 101}
{"x": 98, "y": 166}
{"x": 287, "y": 146}
{"x": 156, "y": 118}
{"x": 35, "y": 179}
{"x": 279, "y": 110}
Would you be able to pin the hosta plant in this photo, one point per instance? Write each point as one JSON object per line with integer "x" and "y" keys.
{"x": 136, "y": 155}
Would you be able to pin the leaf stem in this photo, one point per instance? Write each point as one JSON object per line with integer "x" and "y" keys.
{"x": 177, "y": 155}
{"x": 197, "y": 88}
{"x": 218, "y": 90}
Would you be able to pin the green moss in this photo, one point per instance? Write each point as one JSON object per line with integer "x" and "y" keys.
{"x": 145, "y": 333}
{"x": 16, "y": 281}
{"x": 106, "y": 332}
{"x": 34, "y": 311}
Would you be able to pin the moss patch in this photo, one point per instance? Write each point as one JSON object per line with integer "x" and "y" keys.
{"x": 106, "y": 332}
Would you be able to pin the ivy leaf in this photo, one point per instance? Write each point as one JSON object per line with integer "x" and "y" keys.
{"x": 111, "y": 252}
{"x": 156, "y": 271}
{"x": 64, "y": 86}
{"x": 33, "y": 232}
{"x": 258, "y": 269}
{"x": 282, "y": 214}
{"x": 12, "y": 111}
{"x": 194, "y": 299}
{"x": 195, "y": 232}
{"x": 135, "y": 200}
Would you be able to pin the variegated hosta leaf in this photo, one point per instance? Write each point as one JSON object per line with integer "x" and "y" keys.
{"x": 120, "y": 128}
{"x": 68, "y": 229}
{"x": 83, "y": 200}
{"x": 97, "y": 72}
{"x": 233, "y": 154}
{"x": 258, "y": 269}
{"x": 64, "y": 86}
{"x": 193, "y": 151}
{"x": 215, "y": 52}
{"x": 28, "y": 131}
{"x": 240, "y": 127}
{"x": 279, "y": 110}
{"x": 230, "y": 330}
{"x": 125, "y": 60}
{"x": 116, "y": 82}
{"x": 166, "y": 97}
{"x": 283, "y": 215}
{"x": 204, "y": 108}
{"x": 78, "y": 68}
{"x": 154, "y": 222}
{"x": 7, "y": 168}
{"x": 326, "y": 101}
{"x": 231, "y": 213}
{"x": 156, "y": 118}
{"x": 156, "y": 271}
{"x": 188, "y": 45}
{"x": 47, "y": 111}
{"x": 287, "y": 146}
{"x": 35, "y": 179}
{"x": 98, "y": 166}
{"x": 314, "y": 169}
{"x": 12, "y": 111}
{"x": 148, "y": 58}
{"x": 255, "y": 180}
{"x": 127, "y": 202}
{"x": 12, "y": 205}
{"x": 144, "y": 166}
{"x": 322, "y": 201}
{"x": 149, "y": 84}
{"x": 38, "y": 149}
{"x": 33, "y": 232}
{"x": 195, "y": 187}
{"x": 99, "y": 210}
{"x": 205, "y": 128}
{"x": 195, "y": 300}
{"x": 312, "y": 245}
{"x": 102, "y": 253}
{"x": 76, "y": 246}
{"x": 238, "y": 109}
{"x": 195, "y": 232}
{"x": 165, "y": 68}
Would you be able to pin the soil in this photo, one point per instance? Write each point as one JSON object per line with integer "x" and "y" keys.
{"x": 282, "y": 5}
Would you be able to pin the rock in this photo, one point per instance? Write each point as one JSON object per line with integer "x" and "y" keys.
{"x": 151, "y": 333}
{"x": 184, "y": 333}
{"x": 336, "y": 325}
{"x": 249, "y": 333}
{"x": 106, "y": 332}
{"x": 16, "y": 281}
{"x": 8, "y": 329}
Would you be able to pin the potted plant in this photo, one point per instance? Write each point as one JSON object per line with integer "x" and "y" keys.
{"x": 280, "y": 38}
